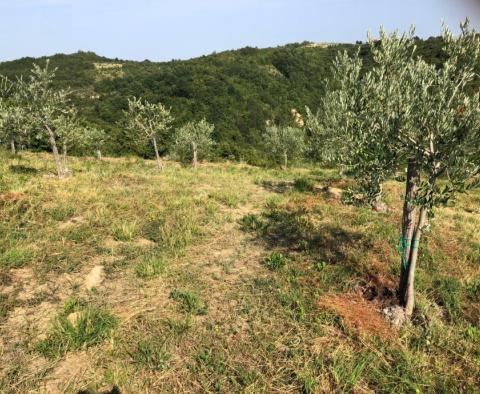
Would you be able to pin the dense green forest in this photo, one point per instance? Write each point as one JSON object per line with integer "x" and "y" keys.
{"x": 238, "y": 91}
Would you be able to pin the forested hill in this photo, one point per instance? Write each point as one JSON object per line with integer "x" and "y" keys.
{"x": 237, "y": 90}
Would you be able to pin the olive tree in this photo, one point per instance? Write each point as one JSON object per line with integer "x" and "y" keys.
{"x": 284, "y": 142}
{"x": 193, "y": 139}
{"x": 96, "y": 140}
{"x": 406, "y": 111}
{"x": 45, "y": 105}
{"x": 13, "y": 117}
{"x": 355, "y": 126}
{"x": 152, "y": 121}
{"x": 70, "y": 134}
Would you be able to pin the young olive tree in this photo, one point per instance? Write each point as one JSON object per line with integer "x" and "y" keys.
{"x": 45, "y": 105}
{"x": 97, "y": 139}
{"x": 70, "y": 134}
{"x": 409, "y": 111}
{"x": 152, "y": 121}
{"x": 355, "y": 127}
{"x": 193, "y": 138}
{"x": 284, "y": 142}
{"x": 13, "y": 117}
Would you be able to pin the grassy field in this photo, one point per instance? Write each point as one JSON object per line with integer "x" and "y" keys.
{"x": 226, "y": 279}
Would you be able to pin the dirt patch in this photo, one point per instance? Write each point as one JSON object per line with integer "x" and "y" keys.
{"x": 33, "y": 319}
{"x": 68, "y": 373}
{"x": 144, "y": 243}
{"x": 11, "y": 197}
{"x": 358, "y": 314}
{"x": 71, "y": 222}
{"x": 111, "y": 243}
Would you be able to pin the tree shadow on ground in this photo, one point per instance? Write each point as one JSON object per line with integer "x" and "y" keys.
{"x": 113, "y": 390}
{"x": 21, "y": 169}
{"x": 295, "y": 231}
{"x": 277, "y": 186}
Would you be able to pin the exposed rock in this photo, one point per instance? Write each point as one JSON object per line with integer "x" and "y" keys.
{"x": 395, "y": 315}
{"x": 95, "y": 278}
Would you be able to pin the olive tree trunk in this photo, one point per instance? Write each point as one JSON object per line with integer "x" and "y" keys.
{"x": 56, "y": 156}
{"x": 408, "y": 224}
{"x": 12, "y": 146}
{"x": 194, "y": 155}
{"x": 98, "y": 153}
{"x": 157, "y": 155}
{"x": 64, "y": 155}
{"x": 410, "y": 286}
{"x": 285, "y": 160}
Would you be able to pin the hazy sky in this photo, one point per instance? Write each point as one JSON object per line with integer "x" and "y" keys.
{"x": 180, "y": 29}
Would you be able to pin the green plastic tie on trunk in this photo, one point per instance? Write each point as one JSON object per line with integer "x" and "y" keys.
{"x": 403, "y": 244}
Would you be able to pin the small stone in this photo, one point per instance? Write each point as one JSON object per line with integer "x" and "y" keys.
{"x": 395, "y": 315}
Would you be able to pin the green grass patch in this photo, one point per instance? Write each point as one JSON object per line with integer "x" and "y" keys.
{"x": 189, "y": 302}
{"x": 150, "y": 355}
{"x": 16, "y": 257}
{"x": 275, "y": 261}
{"x": 151, "y": 267}
{"x": 91, "y": 326}
{"x": 126, "y": 231}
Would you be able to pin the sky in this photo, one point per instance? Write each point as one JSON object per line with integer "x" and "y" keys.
{"x": 181, "y": 29}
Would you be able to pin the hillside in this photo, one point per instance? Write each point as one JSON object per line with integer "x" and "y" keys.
{"x": 237, "y": 90}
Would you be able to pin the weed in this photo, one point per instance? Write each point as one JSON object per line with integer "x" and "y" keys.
{"x": 150, "y": 267}
{"x": 275, "y": 261}
{"x": 150, "y": 355}
{"x": 294, "y": 302}
{"x": 7, "y": 303}
{"x": 473, "y": 290}
{"x": 178, "y": 327}
{"x": 229, "y": 198}
{"x": 252, "y": 222}
{"x": 125, "y": 231}
{"x": 319, "y": 265}
{"x": 62, "y": 212}
{"x": 189, "y": 302}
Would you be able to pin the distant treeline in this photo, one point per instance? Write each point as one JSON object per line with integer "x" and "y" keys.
{"x": 239, "y": 91}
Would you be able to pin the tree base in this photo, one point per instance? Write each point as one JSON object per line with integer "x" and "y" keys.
{"x": 395, "y": 315}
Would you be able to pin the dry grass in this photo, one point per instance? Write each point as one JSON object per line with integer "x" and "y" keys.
{"x": 197, "y": 309}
